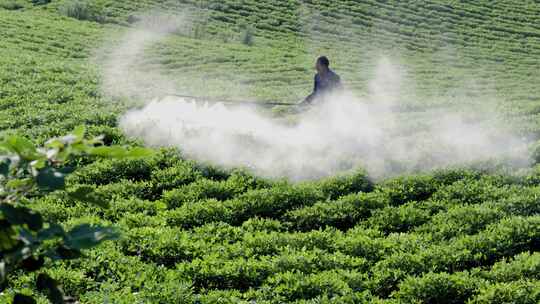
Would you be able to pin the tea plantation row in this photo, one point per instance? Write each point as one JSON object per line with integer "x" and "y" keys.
{"x": 196, "y": 233}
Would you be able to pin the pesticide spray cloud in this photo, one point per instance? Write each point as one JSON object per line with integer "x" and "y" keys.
{"x": 124, "y": 75}
{"x": 344, "y": 133}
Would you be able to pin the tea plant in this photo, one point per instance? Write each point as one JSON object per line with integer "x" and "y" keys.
{"x": 27, "y": 238}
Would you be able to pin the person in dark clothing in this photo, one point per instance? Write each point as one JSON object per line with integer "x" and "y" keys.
{"x": 326, "y": 81}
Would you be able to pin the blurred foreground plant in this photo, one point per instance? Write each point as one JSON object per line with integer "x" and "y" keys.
{"x": 26, "y": 239}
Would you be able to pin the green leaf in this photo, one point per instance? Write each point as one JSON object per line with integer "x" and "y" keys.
{"x": 109, "y": 152}
{"x": 23, "y": 299}
{"x": 23, "y": 147}
{"x": 39, "y": 163}
{"x": 22, "y": 216}
{"x": 50, "y": 179}
{"x": 98, "y": 140}
{"x": 120, "y": 152}
{"x": 49, "y": 286}
{"x": 85, "y": 236}
{"x": 19, "y": 183}
{"x": 86, "y": 194}
{"x": 79, "y": 148}
{"x": 5, "y": 148}
{"x": 79, "y": 132}
{"x": 55, "y": 144}
{"x": 139, "y": 152}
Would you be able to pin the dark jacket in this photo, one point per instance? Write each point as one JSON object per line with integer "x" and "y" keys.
{"x": 324, "y": 84}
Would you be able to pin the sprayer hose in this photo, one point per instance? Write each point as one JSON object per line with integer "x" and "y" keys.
{"x": 228, "y": 101}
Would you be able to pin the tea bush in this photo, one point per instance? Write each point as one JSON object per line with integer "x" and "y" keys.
{"x": 520, "y": 292}
{"x": 342, "y": 214}
{"x": 83, "y": 10}
{"x": 401, "y": 190}
{"x": 441, "y": 288}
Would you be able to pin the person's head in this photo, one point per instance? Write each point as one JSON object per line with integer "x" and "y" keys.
{"x": 322, "y": 64}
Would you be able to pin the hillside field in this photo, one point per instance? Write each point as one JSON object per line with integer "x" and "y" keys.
{"x": 193, "y": 232}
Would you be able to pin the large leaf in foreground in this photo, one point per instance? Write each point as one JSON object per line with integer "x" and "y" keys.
{"x": 22, "y": 216}
{"x": 50, "y": 179}
{"x": 120, "y": 152}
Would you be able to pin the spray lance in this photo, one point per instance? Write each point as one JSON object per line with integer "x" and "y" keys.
{"x": 235, "y": 102}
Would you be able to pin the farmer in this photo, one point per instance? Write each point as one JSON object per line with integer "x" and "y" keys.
{"x": 326, "y": 81}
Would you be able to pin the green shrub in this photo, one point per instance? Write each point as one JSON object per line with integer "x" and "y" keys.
{"x": 11, "y": 5}
{"x": 342, "y": 214}
{"x": 221, "y": 297}
{"x": 242, "y": 181}
{"x": 315, "y": 260}
{"x": 470, "y": 192}
{"x": 271, "y": 203}
{"x": 199, "y": 190}
{"x": 111, "y": 135}
{"x": 271, "y": 243}
{"x": 445, "y": 177}
{"x": 517, "y": 292}
{"x": 112, "y": 293}
{"x": 121, "y": 207}
{"x": 28, "y": 239}
{"x": 74, "y": 281}
{"x": 501, "y": 239}
{"x": 58, "y": 208}
{"x": 336, "y": 186}
{"x": 173, "y": 177}
{"x": 140, "y": 284}
{"x": 349, "y": 298}
{"x": 389, "y": 272}
{"x": 212, "y": 172}
{"x": 238, "y": 182}
{"x": 110, "y": 171}
{"x": 408, "y": 188}
{"x": 525, "y": 266}
{"x": 296, "y": 285}
{"x": 262, "y": 224}
{"x": 82, "y": 10}
{"x": 532, "y": 176}
{"x": 406, "y": 242}
{"x": 399, "y": 219}
{"x": 40, "y": 2}
{"x": 535, "y": 152}
{"x": 522, "y": 201}
{"x": 214, "y": 272}
{"x": 169, "y": 288}
{"x": 362, "y": 242}
{"x": 196, "y": 214}
{"x": 438, "y": 288}
{"x": 506, "y": 238}
{"x": 162, "y": 246}
{"x": 460, "y": 220}
{"x": 218, "y": 233}
{"x": 125, "y": 189}
{"x": 275, "y": 201}
{"x": 134, "y": 220}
